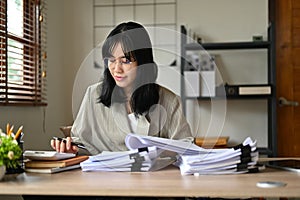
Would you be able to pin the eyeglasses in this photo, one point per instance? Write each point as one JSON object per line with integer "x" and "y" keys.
{"x": 110, "y": 62}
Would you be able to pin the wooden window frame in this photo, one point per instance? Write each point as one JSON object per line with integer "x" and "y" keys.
{"x": 30, "y": 89}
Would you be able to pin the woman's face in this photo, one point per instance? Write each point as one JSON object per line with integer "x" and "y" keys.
{"x": 122, "y": 70}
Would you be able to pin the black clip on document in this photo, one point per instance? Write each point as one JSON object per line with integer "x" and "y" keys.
{"x": 72, "y": 143}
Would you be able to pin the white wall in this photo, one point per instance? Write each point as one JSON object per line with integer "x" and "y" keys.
{"x": 70, "y": 40}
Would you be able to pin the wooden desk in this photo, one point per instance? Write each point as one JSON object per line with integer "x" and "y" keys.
{"x": 164, "y": 183}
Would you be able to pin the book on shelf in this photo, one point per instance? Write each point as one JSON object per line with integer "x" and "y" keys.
{"x": 244, "y": 90}
{"x": 55, "y": 163}
{"x": 254, "y": 89}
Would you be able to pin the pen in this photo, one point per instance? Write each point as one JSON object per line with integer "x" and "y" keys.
{"x": 7, "y": 128}
{"x": 10, "y": 130}
{"x": 72, "y": 143}
{"x": 18, "y": 132}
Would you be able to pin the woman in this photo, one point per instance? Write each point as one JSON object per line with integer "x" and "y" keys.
{"x": 127, "y": 100}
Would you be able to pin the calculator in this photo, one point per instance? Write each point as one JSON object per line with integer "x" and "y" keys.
{"x": 47, "y": 155}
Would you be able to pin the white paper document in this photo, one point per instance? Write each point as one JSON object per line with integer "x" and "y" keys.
{"x": 148, "y": 153}
{"x": 141, "y": 159}
{"x": 184, "y": 147}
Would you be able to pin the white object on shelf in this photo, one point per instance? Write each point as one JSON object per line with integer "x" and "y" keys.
{"x": 208, "y": 76}
{"x": 192, "y": 83}
{"x": 208, "y": 83}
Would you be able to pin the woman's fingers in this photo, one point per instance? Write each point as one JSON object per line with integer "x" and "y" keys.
{"x": 68, "y": 143}
{"x": 52, "y": 143}
{"x": 64, "y": 145}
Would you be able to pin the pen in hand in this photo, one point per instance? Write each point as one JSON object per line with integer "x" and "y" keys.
{"x": 72, "y": 143}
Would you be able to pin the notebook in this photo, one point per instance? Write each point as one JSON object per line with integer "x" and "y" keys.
{"x": 51, "y": 170}
{"x": 55, "y": 163}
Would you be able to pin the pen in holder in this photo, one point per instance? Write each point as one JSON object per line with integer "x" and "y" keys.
{"x": 21, "y": 160}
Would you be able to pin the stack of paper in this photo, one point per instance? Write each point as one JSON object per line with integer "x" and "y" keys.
{"x": 192, "y": 159}
{"x": 147, "y": 153}
{"x": 142, "y": 159}
{"x": 240, "y": 159}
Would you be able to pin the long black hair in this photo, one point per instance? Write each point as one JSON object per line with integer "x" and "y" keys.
{"x": 136, "y": 44}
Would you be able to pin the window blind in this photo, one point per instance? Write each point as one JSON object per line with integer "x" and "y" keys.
{"x": 23, "y": 56}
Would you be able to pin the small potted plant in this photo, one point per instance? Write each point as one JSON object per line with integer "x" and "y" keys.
{"x": 10, "y": 154}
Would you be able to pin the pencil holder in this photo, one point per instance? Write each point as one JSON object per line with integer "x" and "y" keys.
{"x": 13, "y": 172}
{"x": 21, "y": 160}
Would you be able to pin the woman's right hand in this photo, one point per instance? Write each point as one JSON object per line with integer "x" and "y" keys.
{"x": 64, "y": 146}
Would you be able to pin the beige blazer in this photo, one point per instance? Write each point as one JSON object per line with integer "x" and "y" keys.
{"x": 101, "y": 128}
